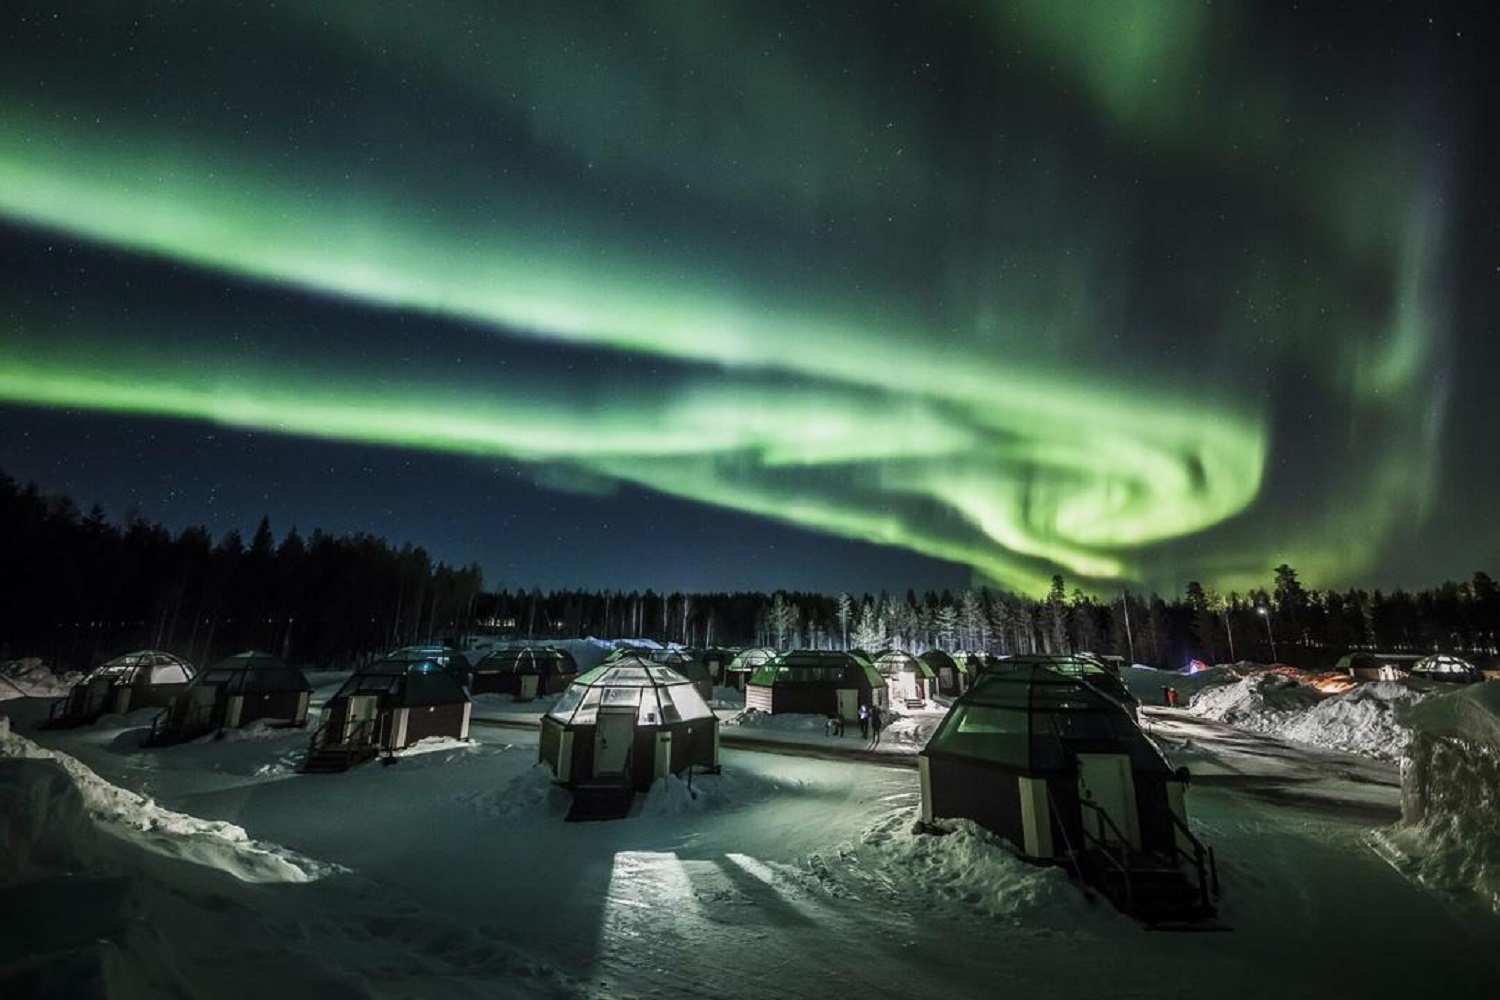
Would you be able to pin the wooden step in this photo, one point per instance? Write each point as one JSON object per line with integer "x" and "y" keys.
{"x": 335, "y": 758}
{"x": 601, "y": 800}
{"x": 1158, "y": 894}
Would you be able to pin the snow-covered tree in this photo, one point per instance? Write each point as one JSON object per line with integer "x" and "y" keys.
{"x": 845, "y": 615}
{"x": 869, "y": 628}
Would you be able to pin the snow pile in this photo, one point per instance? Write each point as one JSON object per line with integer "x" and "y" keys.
{"x": 125, "y": 814}
{"x": 42, "y": 819}
{"x": 1450, "y": 790}
{"x": 253, "y": 732}
{"x": 435, "y": 744}
{"x": 785, "y": 722}
{"x": 70, "y": 934}
{"x": 1364, "y": 720}
{"x": 967, "y": 867}
{"x": 31, "y": 678}
{"x": 532, "y": 794}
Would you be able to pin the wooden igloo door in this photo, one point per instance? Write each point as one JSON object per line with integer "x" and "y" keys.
{"x": 612, "y": 739}
{"x": 1106, "y": 781}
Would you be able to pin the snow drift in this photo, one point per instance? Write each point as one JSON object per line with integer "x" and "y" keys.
{"x": 31, "y": 678}
{"x": 132, "y": 817}
{"x": 1365, "y": 720}
{"x": 1449, "y": 835}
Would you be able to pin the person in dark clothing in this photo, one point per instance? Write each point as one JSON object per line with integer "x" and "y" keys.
{"x": 864, "y": 722}
{"x": 875, "y": 725}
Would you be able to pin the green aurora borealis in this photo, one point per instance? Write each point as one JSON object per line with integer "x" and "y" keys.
{"x": 1137, "y": 292}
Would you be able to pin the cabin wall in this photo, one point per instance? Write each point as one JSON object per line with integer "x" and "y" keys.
{"x": 582, "y": 766}
{"x": 760, "y": 698}
{"x": 151, "y": 695}
{"x": 1154, "y": 808}
{"x": 288, "y": 706}
{"x": 488, "y": 683}
{"x": 434, "y": 720}
{"x": 989, "y": 796}
{"x": 550, "y": 743}
{"x": 334, "y": 715}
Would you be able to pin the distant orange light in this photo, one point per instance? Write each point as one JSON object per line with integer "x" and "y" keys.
{"x": 1331, "y": 683}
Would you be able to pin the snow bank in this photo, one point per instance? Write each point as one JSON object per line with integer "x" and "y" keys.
{"x": 785, "y": 722}
{"x": 532, "y": 794}
{"x": 1449, "y": 835}
{"x": 968, "y": 868}
{"x": 31, "y": 678}
{"x": 1364, "y": 720}
{"x": 212, "y": 843}
{"x": 975, "y": 868}
{"x": 74, "y": 931}
{"x": 435, "y": 744}
{"x": 43, "y": 823}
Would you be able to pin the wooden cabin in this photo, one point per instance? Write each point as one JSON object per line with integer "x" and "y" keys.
{"x": 526, "y": 672}
{"x": 816, "y": 682}
{"x": 744, "y": 663}
{"x": 1368, "y": 666}
{"x": 146, "y": 678}
{"x": 950, "y": 673}
{"x": 1083, "y": 666}
{"x": 909, "y": 681}
{"x": 247, "y": 687}
{"x": 1064, "y": 774}
{"x": 624, "y": 724}
{"x": 387, "y": 705}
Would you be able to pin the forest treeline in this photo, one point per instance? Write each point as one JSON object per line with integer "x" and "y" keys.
{"x": 76, "y": 588}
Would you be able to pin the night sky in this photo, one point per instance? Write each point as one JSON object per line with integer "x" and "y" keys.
{"x": 762, "y": 295}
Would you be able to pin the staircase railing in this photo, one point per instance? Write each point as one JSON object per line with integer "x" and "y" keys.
{"x": 1202, "y": 860}
{"x": 158, "y": 725}
{"x": 1107, "y": 851}
{"x": 355, "y": 743}
{"x": 1069, "y": 853}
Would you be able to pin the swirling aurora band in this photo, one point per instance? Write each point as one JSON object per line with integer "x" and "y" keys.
{"x": 978, "y": 430}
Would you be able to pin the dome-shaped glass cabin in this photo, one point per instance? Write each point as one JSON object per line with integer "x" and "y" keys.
{"x": 1447, "y": 667}
{"x": 146, "y": 678}
{"x": 1083, "y": 666}
{"x": 1059, "y": 769}
{"x": 628, "y": 721}
{"x": 686, "y": 662}
{"x": 908, "y": 679}
{"x": 816, "y": 682}
{"x": 950, "y": 672}
{"x": 525, "y": 672}
{"x": 407, "y": 695}
{"x": 744, "y": 663}
{"x": 246, "y": 687}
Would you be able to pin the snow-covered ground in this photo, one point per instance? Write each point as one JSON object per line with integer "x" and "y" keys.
{"x": 451, "y": 873}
